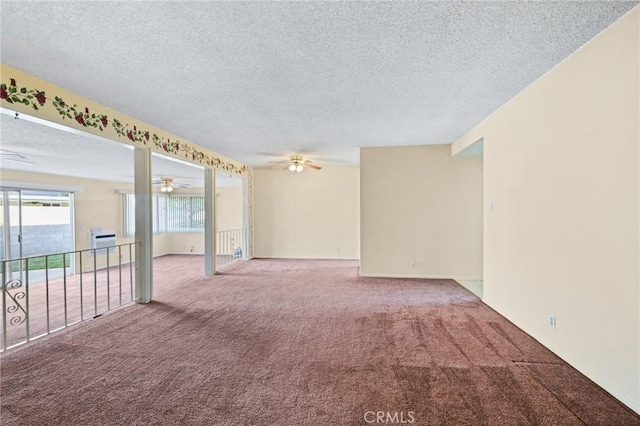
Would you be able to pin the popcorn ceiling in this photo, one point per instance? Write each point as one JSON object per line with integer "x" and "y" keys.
{"x": 256, "y": 80}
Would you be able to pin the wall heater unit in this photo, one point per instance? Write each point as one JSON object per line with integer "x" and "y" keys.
{"x": 103, "y": 242}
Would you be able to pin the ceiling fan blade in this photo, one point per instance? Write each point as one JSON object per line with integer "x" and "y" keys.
{"x": 312, "y": 166}
{"x": 285, "y": 168}
{"x": 277, "y": 162}
{"x": 14, "y": 157}
{"x": 17, "y": 160}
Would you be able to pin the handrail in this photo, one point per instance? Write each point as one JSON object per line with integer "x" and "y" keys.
{"x": 231, "y": 245}
{"x": 32, "y": 309}
{"x": 68, "y": 252}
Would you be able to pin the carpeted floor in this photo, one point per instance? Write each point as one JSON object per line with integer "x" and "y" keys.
{"x": 87, "y": 295}
{"x": 283, "y": 342}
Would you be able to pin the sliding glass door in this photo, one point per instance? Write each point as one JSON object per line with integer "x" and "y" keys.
{"x": 12, "y": 232}
{"x": 36, "y": 223}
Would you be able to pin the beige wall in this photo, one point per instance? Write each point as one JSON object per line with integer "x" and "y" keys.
{"x": 98, "y": 204}
{"x": 184, "y": 242}
{"x": 312, "y": 214}
{"x": 562, "y": 171}
{"x": 228, "y": 208}
{"x": 420, "y": 205}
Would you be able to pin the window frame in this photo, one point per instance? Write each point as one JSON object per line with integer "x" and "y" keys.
{"x": 164, "y": 213}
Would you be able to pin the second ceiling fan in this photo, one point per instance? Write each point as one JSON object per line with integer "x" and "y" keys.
{"x": 298, "y": 164}
{"x": 168, "y": 183}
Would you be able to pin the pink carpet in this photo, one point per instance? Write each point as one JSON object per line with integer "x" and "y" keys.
{"x": 284, "y": 342}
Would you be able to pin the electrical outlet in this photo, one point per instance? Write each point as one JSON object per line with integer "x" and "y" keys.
{"x": 413, "y": 265}
{"x": 552, "y": 322}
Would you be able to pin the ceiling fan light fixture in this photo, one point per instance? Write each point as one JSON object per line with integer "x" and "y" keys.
{"x": 297, "y": 164}
{"x": 167, "y": 184}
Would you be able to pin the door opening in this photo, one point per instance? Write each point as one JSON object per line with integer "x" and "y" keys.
{"x": 36, "y": 223}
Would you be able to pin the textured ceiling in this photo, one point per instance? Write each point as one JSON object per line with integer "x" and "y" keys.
{"x": 253, "y": 80}
{"x": 59, "y": 152}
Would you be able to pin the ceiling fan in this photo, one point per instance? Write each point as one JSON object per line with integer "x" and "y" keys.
{"x": 167, "y": 184}
{"x": 14, "y": 157}
{"x": 297, "y": 164}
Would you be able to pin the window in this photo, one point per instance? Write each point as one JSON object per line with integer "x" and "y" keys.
{"x": 159, "y": 209}
{"x": 170, "y": 214}
{"x": 129, "y": 221}
{"x": 35, "y": 222}
{"x": 159, "y": 213}
{"x": 185, "y": 214}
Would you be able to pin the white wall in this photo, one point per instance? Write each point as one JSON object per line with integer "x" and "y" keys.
{"x": 421, "y": 213}
{"x": 312, "y": 214}
{"x": 562, "y": 172}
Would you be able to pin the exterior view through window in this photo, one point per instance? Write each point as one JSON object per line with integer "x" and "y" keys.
{"x": 36, "y": 223}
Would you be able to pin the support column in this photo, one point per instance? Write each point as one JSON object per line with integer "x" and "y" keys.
{"x": 144, "y": 225}
{"x": 245, "y": 217}
{"x": 209, "y": 222}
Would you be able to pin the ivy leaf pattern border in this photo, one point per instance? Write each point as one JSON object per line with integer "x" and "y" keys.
{"x": 36, "y": 98}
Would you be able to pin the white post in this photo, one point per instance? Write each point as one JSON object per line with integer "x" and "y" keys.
{"x": 209, "y": 221}
{"x": 245, "y": 218}
{"x": 144, "y": 225}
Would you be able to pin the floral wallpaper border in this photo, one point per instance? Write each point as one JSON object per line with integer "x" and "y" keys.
{"x": 13, "y": 94}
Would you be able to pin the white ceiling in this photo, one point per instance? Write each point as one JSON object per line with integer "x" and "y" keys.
{"x": 72, "y": 153}
{"x": 259, "y": 80}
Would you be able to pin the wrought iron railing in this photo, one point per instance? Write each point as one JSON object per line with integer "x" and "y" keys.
{"x": 44, "y": 294}
{"x": 231, "y": 245}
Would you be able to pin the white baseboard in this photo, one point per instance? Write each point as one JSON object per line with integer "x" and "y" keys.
{"x": 419, "y": 276}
